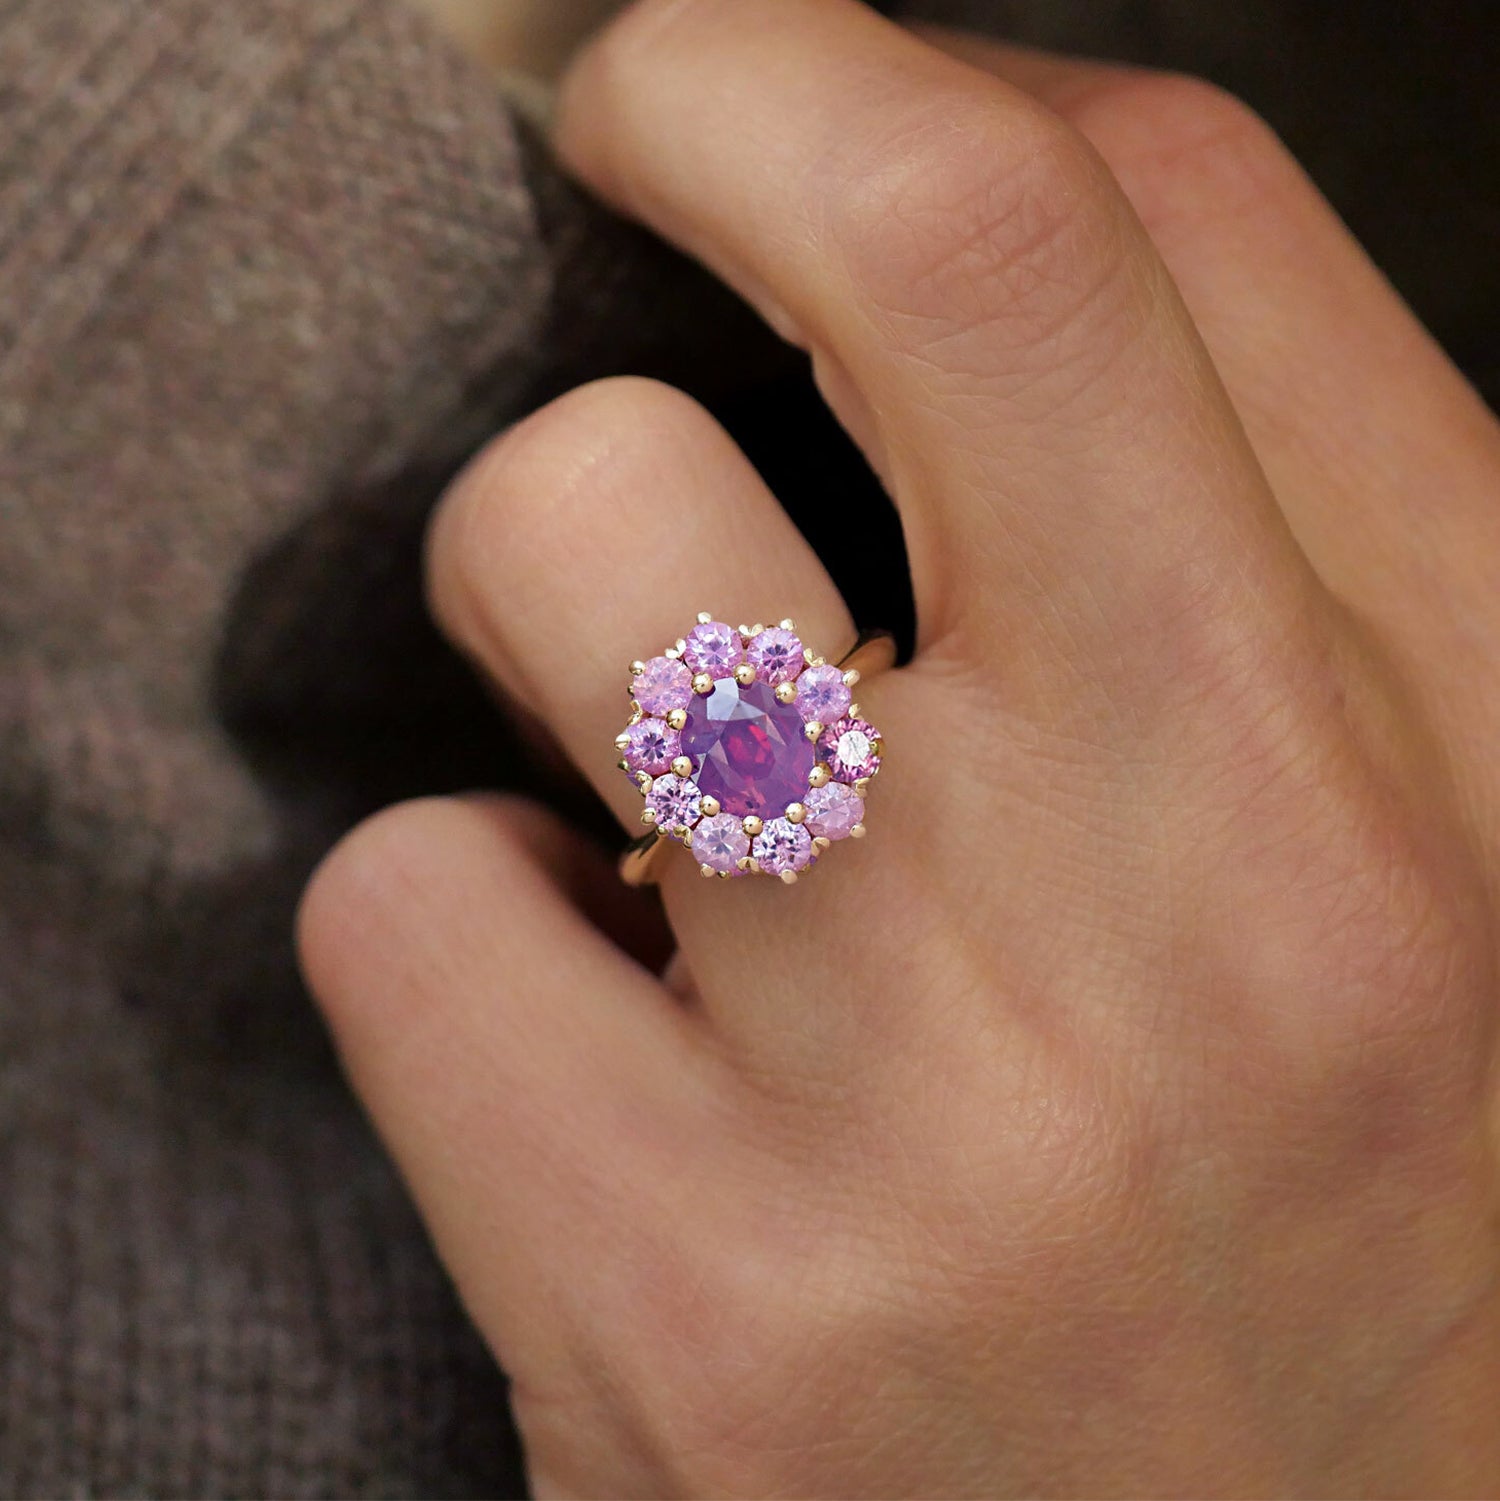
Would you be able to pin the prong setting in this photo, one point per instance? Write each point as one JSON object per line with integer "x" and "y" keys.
{"x": 746, "y": 752}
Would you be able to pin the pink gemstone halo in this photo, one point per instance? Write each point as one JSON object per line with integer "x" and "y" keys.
{"x": 748, "y": 748}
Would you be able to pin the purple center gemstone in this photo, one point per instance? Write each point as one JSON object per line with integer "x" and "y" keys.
{"x": 748, "y": 748}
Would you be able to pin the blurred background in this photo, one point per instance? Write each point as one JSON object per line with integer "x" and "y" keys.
{"x": 269, "y": 273}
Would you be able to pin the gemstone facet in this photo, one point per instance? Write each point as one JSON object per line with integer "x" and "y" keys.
{"x": 776, "y": 656}
{"x": 833, "y": 810}
{"x": 713, "y": 648}
{"x": 650, "y": 745}
{"x": 720, "y": 843}
{"x": 676, "y": 802}
{"x": 822, "y": 694}
{"x": 665, "y": 684}
{"x": 849, "y": 748}
{"x": 782, "y": 846}
{"x": 748, "y": 748}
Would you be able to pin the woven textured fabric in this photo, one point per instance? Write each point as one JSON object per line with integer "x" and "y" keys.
{"x": 268, "y": 273}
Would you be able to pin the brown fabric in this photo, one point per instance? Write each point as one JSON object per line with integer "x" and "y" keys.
{"x": 267, "y": 272}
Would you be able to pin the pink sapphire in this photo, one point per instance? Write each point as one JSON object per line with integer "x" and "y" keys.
{"x": 848, "y": 747}
{"x": 664, "y": 685}
{"x": 782, "y": 846}
{"x": 833, "y": 810}
{"x": 720, "y": 843}
{"x": 776, "y": 656}
{"x": 651, "y": 745}
{"x": 822, "y": 694}
{"x": 713, "y": 648}
{"x": 676, "y": 802}
{"x": 749, "y": 749}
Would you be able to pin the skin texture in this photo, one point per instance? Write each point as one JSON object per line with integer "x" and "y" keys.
{"x": 1120, "y": 1117}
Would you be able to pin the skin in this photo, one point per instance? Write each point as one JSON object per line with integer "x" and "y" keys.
{"x": 1120, "y": 1117}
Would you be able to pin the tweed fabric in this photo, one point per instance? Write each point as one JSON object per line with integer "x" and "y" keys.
{"x": 268, "y": 272}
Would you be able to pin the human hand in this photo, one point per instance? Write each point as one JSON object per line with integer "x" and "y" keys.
{"x": 1120, "y": 1118}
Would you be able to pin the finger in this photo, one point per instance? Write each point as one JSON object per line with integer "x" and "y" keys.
{"x": 987, "y": 314}
{"x": 1381, "y": 455}
{"x": 584, "y": 538}
{"x": 527, "y": 1076}
{"x": 590, "y": 534}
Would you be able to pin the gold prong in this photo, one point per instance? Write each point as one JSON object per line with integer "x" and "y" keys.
{"x": 687, "y": 838}
{"x": 744, "y": 631}
{"x": 623, "y": 765}
{"x": 682, "y": 766}
{"x": 704, "y": 618}
{"x": 788, "y": 625}
{"x": 744, "y": 674}
{"x": 710, "y": 806}
{"x": 621, "y": 740}
{"x": 852, "y": 712}
{"x": 813, "y": 661}
{"x": 643, "y": 780}
{"x": 723, "y": 875}
{"x": 795, "y": 813}
{"x": 862, "y": 786}
{"x": 744, "y": 863}
{"x": 858, "y": 831}
{"x": 756, "y": 629}
{"x": 703, "y": 683}
{"x": 789, "y": 877}
{"x": 819, "y": 776}
{"x": 786, "y": 693}
{"x": 851, "y": 677}
{"x": 648, "y": 817}
{"x": 821, "y": 842}
{"x": 707, "y": 870}
{"x": 752, "y": 826}
{"x": 637, "y": 714}
{"x": 637, "y": 668}
{"x": 678, "y": 719}
{"x": 672, "y": 653}
{"x": 812, "y": 729}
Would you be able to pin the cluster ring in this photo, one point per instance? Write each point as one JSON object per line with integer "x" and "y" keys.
{"x": 747, "y": 748}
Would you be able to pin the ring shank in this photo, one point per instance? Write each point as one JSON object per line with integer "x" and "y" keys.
{"x": 873, "y": 652}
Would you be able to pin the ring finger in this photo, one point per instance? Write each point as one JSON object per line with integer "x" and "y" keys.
{"x": 589, "y": 534}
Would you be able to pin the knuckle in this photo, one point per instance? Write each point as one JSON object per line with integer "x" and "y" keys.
{"x": 360, "y": 896}
{"x": 369, "y": 907}
{"x": 1184, "y": 147}
{"x": 978, "y": 211}
{"x": 524, "y": 491}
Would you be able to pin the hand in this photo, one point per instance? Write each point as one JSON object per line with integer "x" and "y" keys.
{"x": 1120, "y": 1117}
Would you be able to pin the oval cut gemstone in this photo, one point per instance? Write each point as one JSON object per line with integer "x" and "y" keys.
{"x": 748, "y": 749}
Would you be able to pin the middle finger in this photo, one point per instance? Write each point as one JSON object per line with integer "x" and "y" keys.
{"x": 987, "y": 316}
